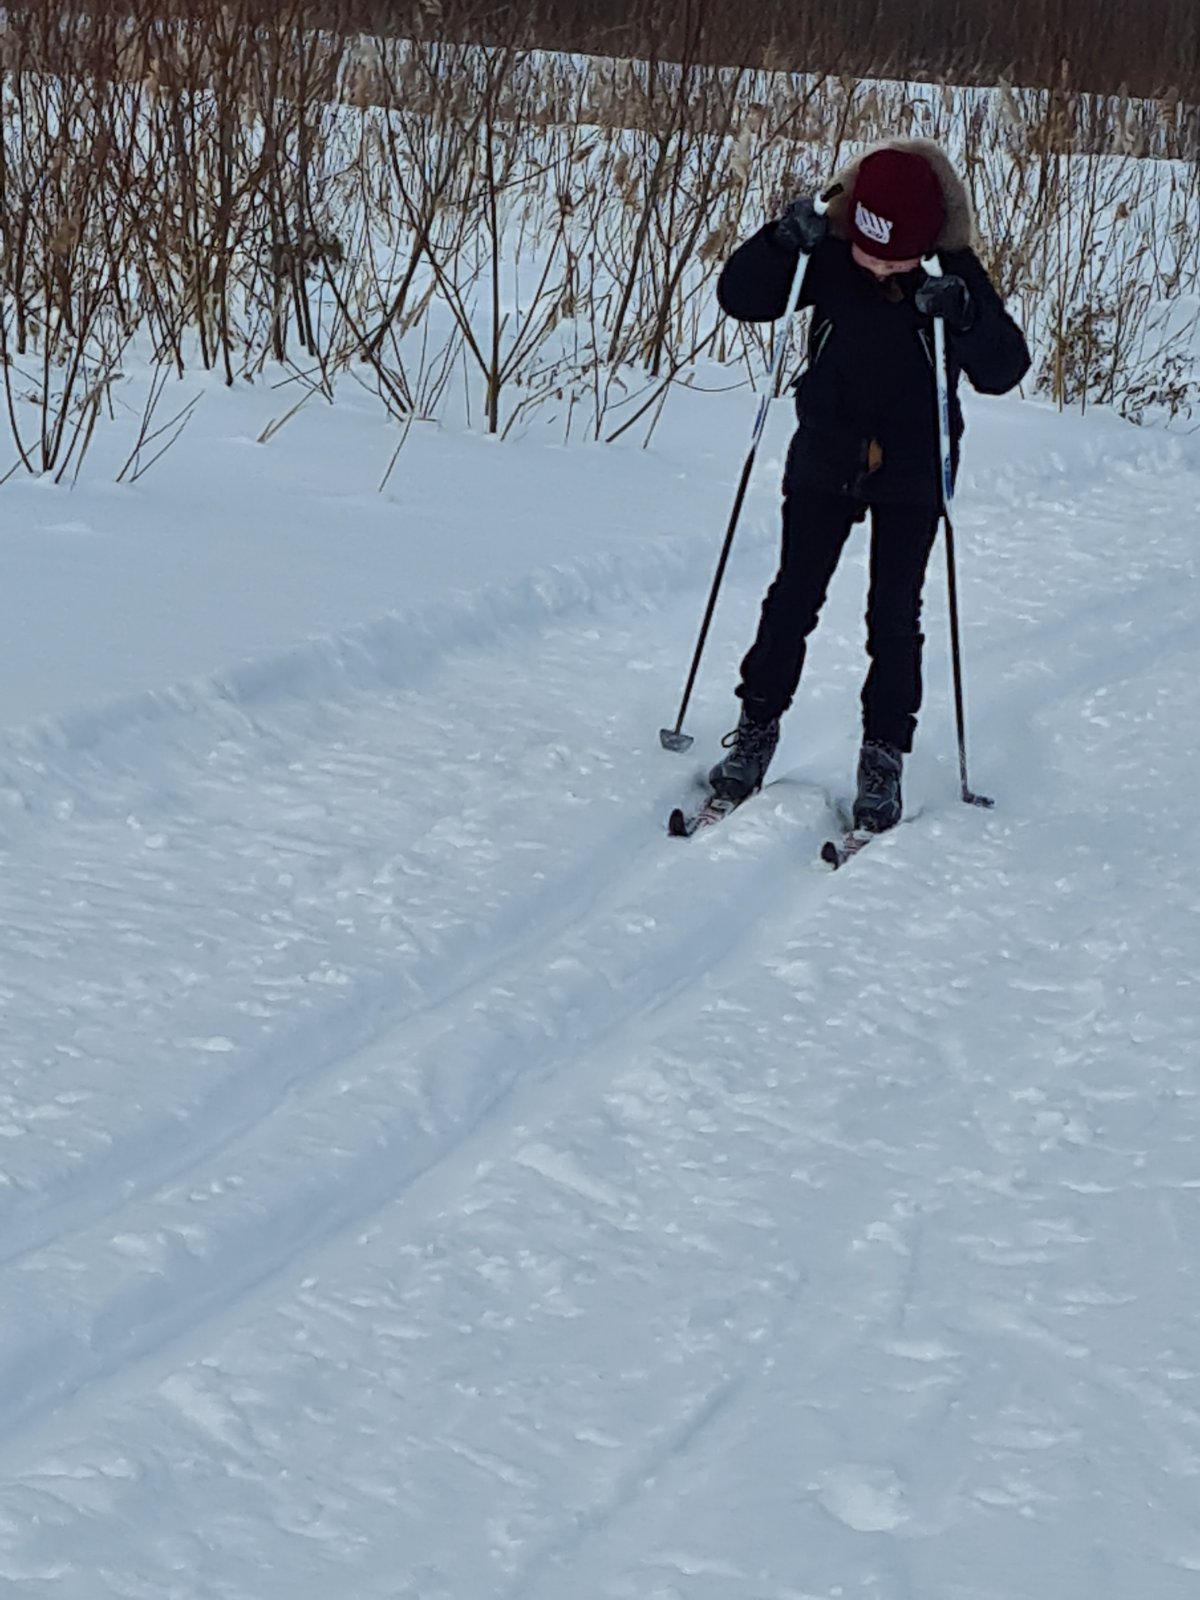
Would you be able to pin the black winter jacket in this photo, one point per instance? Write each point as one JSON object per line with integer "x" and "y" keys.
{"x": 867, "y": 400}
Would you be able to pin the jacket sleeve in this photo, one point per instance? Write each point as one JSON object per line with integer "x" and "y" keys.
{"x": 993, "y": 352}
{"x": 756, "y": 282}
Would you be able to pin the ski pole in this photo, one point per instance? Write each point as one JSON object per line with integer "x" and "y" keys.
{"x": 674, "y": 738}
{"x": 933, "y": 268}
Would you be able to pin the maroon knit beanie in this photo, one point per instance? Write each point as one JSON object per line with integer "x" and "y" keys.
{"x": 897, "y": 209}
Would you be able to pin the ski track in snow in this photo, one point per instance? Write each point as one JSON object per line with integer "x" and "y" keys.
{"x": 423, "y": 1180}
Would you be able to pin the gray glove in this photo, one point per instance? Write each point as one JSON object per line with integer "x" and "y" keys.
{"x": 949, "y": 298}
{"x": 801, "y": 226}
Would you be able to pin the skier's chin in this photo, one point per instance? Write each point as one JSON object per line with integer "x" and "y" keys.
{"x": 879, "y": 268}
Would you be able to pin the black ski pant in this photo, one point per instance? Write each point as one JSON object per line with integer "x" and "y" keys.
{"x": 816, "y": 526}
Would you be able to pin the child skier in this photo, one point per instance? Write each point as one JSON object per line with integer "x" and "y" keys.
{"x": 867, "y": 436}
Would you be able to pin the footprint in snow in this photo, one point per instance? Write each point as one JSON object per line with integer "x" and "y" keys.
{"x": 867, "y": 1499}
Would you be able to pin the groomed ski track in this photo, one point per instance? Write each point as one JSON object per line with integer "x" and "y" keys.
{"x": 422, "y": 1178}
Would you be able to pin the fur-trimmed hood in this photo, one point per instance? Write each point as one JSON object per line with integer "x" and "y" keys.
{"x": 958, "y": 232}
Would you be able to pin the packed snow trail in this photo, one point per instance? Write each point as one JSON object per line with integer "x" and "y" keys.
{"x": 423, "y": 1179}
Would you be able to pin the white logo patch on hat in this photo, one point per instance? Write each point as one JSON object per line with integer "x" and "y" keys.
{"x": 872, "y": 227}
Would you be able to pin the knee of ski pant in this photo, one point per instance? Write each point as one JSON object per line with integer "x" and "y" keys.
{"x": 791, "y": 609}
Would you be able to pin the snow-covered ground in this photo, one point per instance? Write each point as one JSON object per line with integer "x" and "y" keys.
{"x": 423, "y": 1180}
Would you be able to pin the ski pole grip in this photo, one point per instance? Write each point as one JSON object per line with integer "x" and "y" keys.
{"x": 821, "y": 204}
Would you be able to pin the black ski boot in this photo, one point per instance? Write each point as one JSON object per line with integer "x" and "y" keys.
{"x": 878, "y": 804}
{"x": 751, "y": 746}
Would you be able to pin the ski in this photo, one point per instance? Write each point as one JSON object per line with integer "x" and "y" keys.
{"x": 715, "y": 808}
{"x": 836, "y": 852}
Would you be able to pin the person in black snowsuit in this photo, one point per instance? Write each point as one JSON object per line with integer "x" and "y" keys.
{"x": 867, "y": 438}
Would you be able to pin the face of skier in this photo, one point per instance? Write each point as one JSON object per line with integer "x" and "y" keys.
{"x": 882, "y": 269}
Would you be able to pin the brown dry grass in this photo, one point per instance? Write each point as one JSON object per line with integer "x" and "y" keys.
{"x": 528, "y": 236}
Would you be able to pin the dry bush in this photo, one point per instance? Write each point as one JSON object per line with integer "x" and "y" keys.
{"x": 487, "y": 229}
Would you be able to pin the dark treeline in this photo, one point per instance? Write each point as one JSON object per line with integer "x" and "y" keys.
{"x": 1142, "y": 47}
